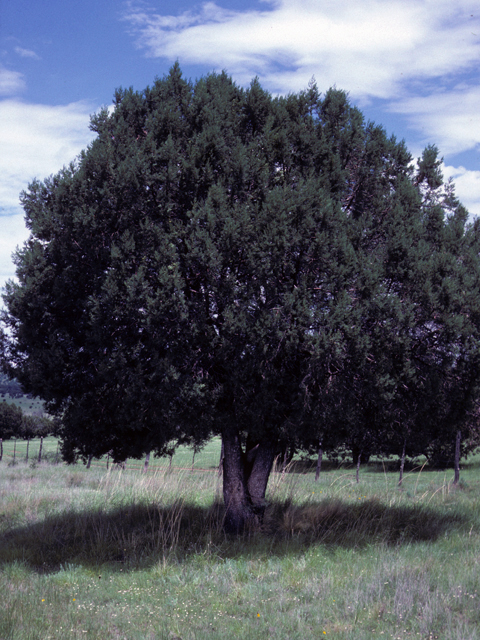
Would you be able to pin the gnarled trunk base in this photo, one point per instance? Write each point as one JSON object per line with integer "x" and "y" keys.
{"x": 245, "y": 479}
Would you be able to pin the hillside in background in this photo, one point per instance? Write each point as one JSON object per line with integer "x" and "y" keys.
{"x": 12, "y": 393}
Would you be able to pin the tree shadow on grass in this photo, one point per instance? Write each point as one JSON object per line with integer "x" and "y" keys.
{"x": 139, "y": 536}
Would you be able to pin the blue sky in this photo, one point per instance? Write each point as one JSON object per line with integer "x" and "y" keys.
{"x": 411, "y": 65}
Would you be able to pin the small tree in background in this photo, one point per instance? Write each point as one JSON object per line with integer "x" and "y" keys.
{"x": 11, "y": 419}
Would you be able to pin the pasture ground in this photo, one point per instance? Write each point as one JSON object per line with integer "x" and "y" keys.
{"x": 122, "y": 554}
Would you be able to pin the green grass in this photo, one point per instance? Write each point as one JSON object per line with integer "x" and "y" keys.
{"x": 126, "y": 554}
{"x": 207, "y": 458}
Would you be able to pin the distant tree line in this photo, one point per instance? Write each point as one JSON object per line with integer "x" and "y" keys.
{"x": 16, "y": 424}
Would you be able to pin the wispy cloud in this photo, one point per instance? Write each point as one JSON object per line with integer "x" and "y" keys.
{"x": 26, "y": 53}
{"x": 369, "y": 48}
{"x": 449, "y": 117}
{"x": 11, "y": 82}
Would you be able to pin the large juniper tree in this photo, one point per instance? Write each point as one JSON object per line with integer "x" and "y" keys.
{"x": 219, "y": 261}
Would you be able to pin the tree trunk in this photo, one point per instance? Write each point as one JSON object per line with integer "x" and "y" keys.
{"x": 28, "y": 444}
{"x": 245, "y": 479}
{"x": 89, "y": 461}
{"x": 14, "y": 450}
{"x": 147, "y": 460}
{"x": 458, "y": 441}
{"x": 257, "y": 479}
{"x": 402, "y": 463}
{"x": 1, "y": 448}
{"x": 288, "y": 453}
{"x": 319, "y": 462}
{"x": 220, "y": 464}
{"x": 40, "y": 450}
{"x": 361, "y": 450}
{"x": 238, "y": 513}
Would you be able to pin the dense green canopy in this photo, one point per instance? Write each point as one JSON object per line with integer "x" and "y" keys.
{"x": 11, "y": 418}
{"x": 273, "y": 270}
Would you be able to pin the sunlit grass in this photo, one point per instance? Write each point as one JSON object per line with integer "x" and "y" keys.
{"x": 126, "y": 554}
{"x": 184, "y": 458}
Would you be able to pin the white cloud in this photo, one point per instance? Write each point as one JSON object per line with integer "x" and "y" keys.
{"x": 451, "y": 118}
{"x": 11, "y": 82}
{"x": 14, "y": 233}
{"x": 37, "y": 140}
{"x": 369, "y": 48}
{"x": 467, "y": 187}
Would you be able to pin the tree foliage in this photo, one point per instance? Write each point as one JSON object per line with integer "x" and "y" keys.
{"x": 273, "y": 270}
{"x": 11, "y": 419}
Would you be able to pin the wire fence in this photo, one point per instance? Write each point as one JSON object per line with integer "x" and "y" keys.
{"x": 47, "y": 450}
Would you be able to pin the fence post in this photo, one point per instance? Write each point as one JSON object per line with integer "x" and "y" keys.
{"x": 359, "y": 459}
{"x": 318, "y": 468}
{"x": 458, "y": 442}
{"x": 402, "y": 463}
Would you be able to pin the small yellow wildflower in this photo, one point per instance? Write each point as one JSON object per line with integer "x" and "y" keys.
{"x": 258, "y": 615}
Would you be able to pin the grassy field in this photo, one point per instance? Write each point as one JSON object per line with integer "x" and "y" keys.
{"x": 118, "y": 553}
